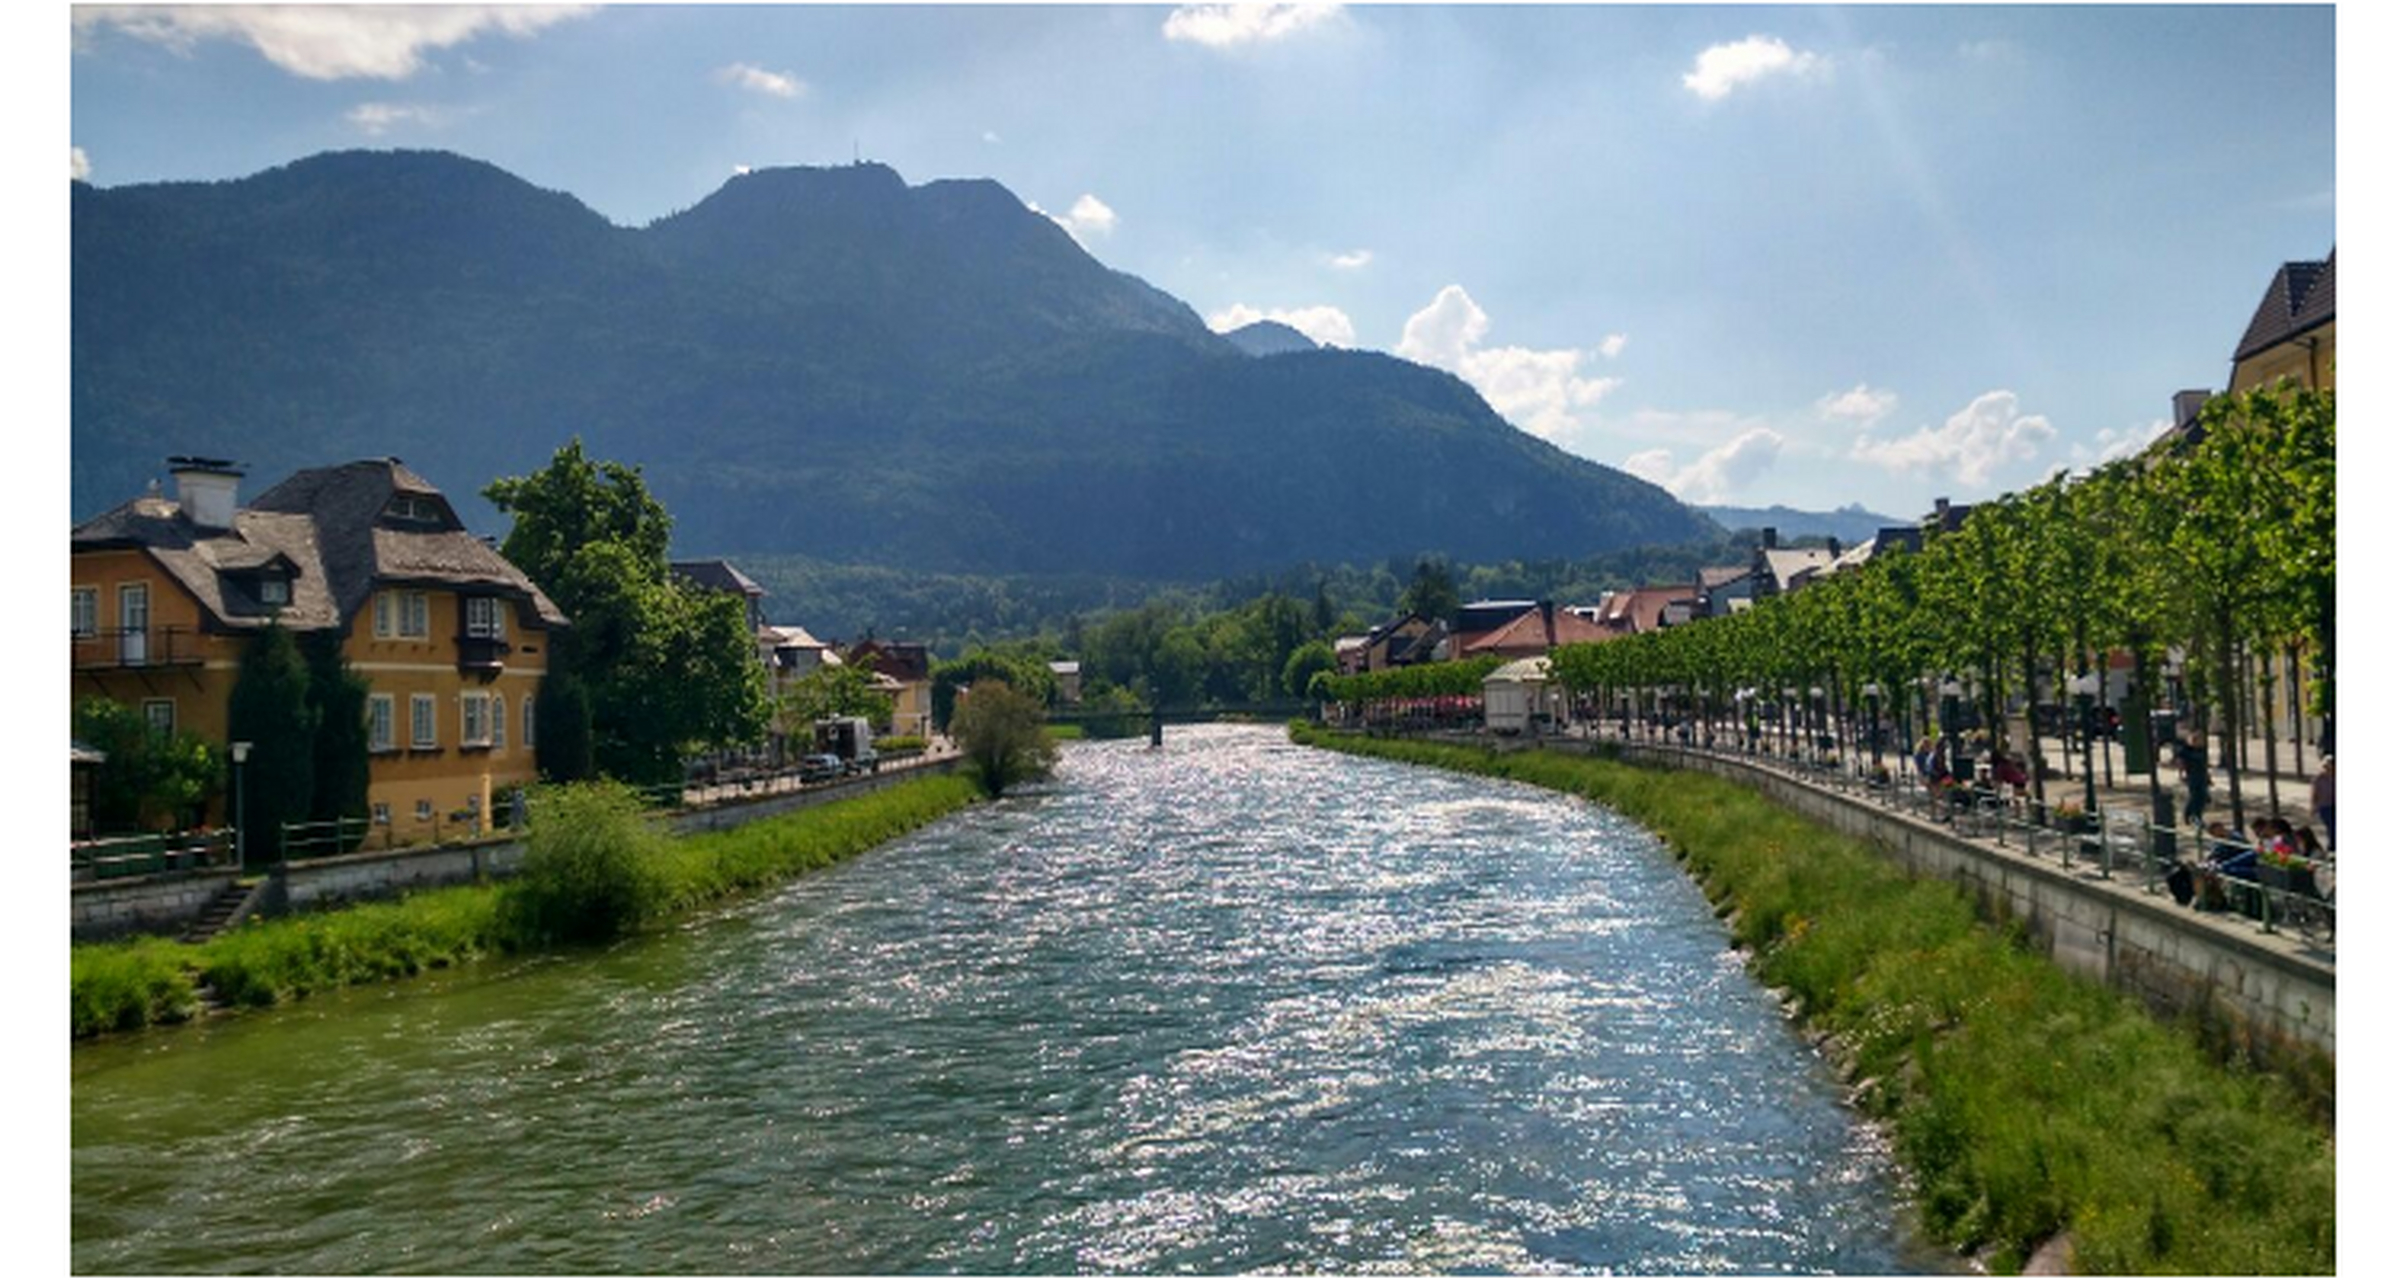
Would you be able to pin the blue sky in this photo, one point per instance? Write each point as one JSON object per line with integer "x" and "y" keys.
{"x": 1802, "y": 255}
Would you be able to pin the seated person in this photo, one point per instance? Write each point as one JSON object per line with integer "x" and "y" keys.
{"x": 2229, "y": 857}
{"x": 2007, "y": 771}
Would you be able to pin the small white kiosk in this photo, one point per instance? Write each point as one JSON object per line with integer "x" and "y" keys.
{"x": 1516, "y": 695}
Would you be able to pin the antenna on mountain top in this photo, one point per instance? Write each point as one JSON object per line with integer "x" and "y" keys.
{"x": 854, "y": 151}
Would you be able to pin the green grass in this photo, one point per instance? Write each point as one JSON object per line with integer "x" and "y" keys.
{"x": 1065, "y": 732}
{"x": 2024, "y": 1100}
{"x": 122, "y": 986}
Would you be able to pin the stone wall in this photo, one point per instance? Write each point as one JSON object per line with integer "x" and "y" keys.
{"x": 167, "y": 903}
{"x": 161, "y": 903}
{"x": 2278, "y": 995}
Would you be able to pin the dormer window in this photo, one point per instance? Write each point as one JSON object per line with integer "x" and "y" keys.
{"x": 486, "y": 618}
{"x": 273, "y": 590}
{"x": 410, "y": 508}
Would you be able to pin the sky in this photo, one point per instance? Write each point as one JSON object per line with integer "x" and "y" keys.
{"x": 1813, "y": 256}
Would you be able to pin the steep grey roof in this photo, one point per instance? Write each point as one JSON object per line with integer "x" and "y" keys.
{"x": 329, "y": 524}
{"x": 717, "y": 575}
{"x": 201, "y": 559}
{"x": 2298, "y": 299}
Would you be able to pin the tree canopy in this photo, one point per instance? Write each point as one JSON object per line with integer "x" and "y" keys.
{"x": 669, "y": 668}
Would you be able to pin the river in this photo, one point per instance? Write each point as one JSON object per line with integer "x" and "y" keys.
{"x": 1229, "y": 1005}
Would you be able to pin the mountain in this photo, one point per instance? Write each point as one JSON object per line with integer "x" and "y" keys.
{"x": 1270, "y": 338}
{"x": 1852, "y": 524}
{"x": 827, "y": 362}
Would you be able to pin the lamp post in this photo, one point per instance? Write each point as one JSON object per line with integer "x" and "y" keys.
{"x": 2085, "y": 687}
{"x": 241, "y": 825}
{"x": 1951, "y": 689}
{"x": 1816, "y": 722}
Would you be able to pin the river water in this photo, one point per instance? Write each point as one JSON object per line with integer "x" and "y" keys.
{"x": 1229, "y": 1005}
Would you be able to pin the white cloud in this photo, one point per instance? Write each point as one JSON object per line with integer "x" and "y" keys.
{"x": 989, "y": 136}
{"x": 1861, "y": 406}
{"x": 81, "y": 165}
{"x": 1969, "y": 447}
{"x": 1088, "y": 217}
{"x": 1352, "y": 260}
{"x": 1719, "y": 473}
{"x": 376, "y": 118}
{"x": 327, "y": 42}
{"x": 2112, "y": 444}
{"x": 1537, "y": 390}
{"x": 1613, "y": 345}
{"x": 756, "y": 79}
{"x": 1327, "y": 326}
{"x": 1223, "y": 26}
{"x": 1722, "y": 68}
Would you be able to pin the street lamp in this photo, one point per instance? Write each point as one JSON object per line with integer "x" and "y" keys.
{"x": 241, "y": 826}
{"x": 2085, "y": 687}
{"x": 1951, "y": 689}
{"x": 1816, "y": 720}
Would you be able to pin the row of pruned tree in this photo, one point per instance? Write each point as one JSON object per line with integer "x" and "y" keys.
{"x": 2216, "y": 552}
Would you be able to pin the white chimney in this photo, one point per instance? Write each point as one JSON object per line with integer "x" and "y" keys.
{"x": 206, "y": 488}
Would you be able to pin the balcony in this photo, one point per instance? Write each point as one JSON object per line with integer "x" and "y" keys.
{"x": 481, "y": 655}
{"x": 137, "y": 648}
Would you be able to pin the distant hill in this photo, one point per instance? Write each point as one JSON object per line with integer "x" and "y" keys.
{"x": 1270, "y": 338}
{"x": 824, "y": 362}
{"x": 1851, "y": 524}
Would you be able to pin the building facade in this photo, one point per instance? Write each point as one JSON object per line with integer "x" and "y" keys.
{"x": 451, "y": 639}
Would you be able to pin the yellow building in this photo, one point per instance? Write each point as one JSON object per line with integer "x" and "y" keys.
{"x": 2291, "y": 335}
{"x": 910, "y": 668}
{"x": 451, "y": 639}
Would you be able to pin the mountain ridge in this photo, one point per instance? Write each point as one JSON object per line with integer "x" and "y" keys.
{"x": 824, "y": 361}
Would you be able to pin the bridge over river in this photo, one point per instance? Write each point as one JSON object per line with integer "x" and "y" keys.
{"x": 1226, "y": 1005}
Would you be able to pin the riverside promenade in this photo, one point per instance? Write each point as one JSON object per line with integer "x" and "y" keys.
{"x": 2096, "y": 901}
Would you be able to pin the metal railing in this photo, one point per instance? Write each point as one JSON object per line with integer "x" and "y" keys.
{"x": 301, "y": 841}
{"x": 143, "y": 855}
{"x": 114, "y": 648}
{"x": 2112, "y": 844}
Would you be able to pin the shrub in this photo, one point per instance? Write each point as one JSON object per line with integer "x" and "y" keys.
{"x": 593, "y": 865}
{"x": 1000, "y": 730}
{"x": 117, "y": 986}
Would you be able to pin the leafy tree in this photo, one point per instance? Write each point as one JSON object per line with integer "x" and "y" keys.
{"x": 1000, "y": 731}
{"x": 272, "y": 711}
{"x": 1025, "y": 674}
{"x": 337, "y": 697}
{"x": 1433, "y": 593}
{"x": 148, "y": 779}
{"x": 830, "y": 691}
{"x": 668, "y": 668}
{"x": 1302, "y": 668}
{"x": 562, "y": 745}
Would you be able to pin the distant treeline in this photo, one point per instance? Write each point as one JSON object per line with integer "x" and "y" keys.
{"x": 957, "y": 613}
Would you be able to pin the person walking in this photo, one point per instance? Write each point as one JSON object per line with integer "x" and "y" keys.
{"x": 2192, "y": 757}
{"x": 2320, "y": 798}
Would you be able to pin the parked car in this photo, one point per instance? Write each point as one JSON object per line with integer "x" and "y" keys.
{"x": 821, "y": 767}
{"x": 866, "y": 761}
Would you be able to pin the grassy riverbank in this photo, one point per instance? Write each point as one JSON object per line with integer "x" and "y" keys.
{"x": 2024, "y": 1101}
{"x": 121, "y": 986}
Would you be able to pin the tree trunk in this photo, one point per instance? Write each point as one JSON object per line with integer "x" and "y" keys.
{"x": 2033, "y": 726}
{"x": 2229, "y": 698}
{"x": 2266, "y": 678}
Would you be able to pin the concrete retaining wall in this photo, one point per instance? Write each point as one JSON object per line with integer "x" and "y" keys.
{"x": 167, "y": 903}
{"x": 163, "y": 903}
{"x": 2278, "y": 994}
